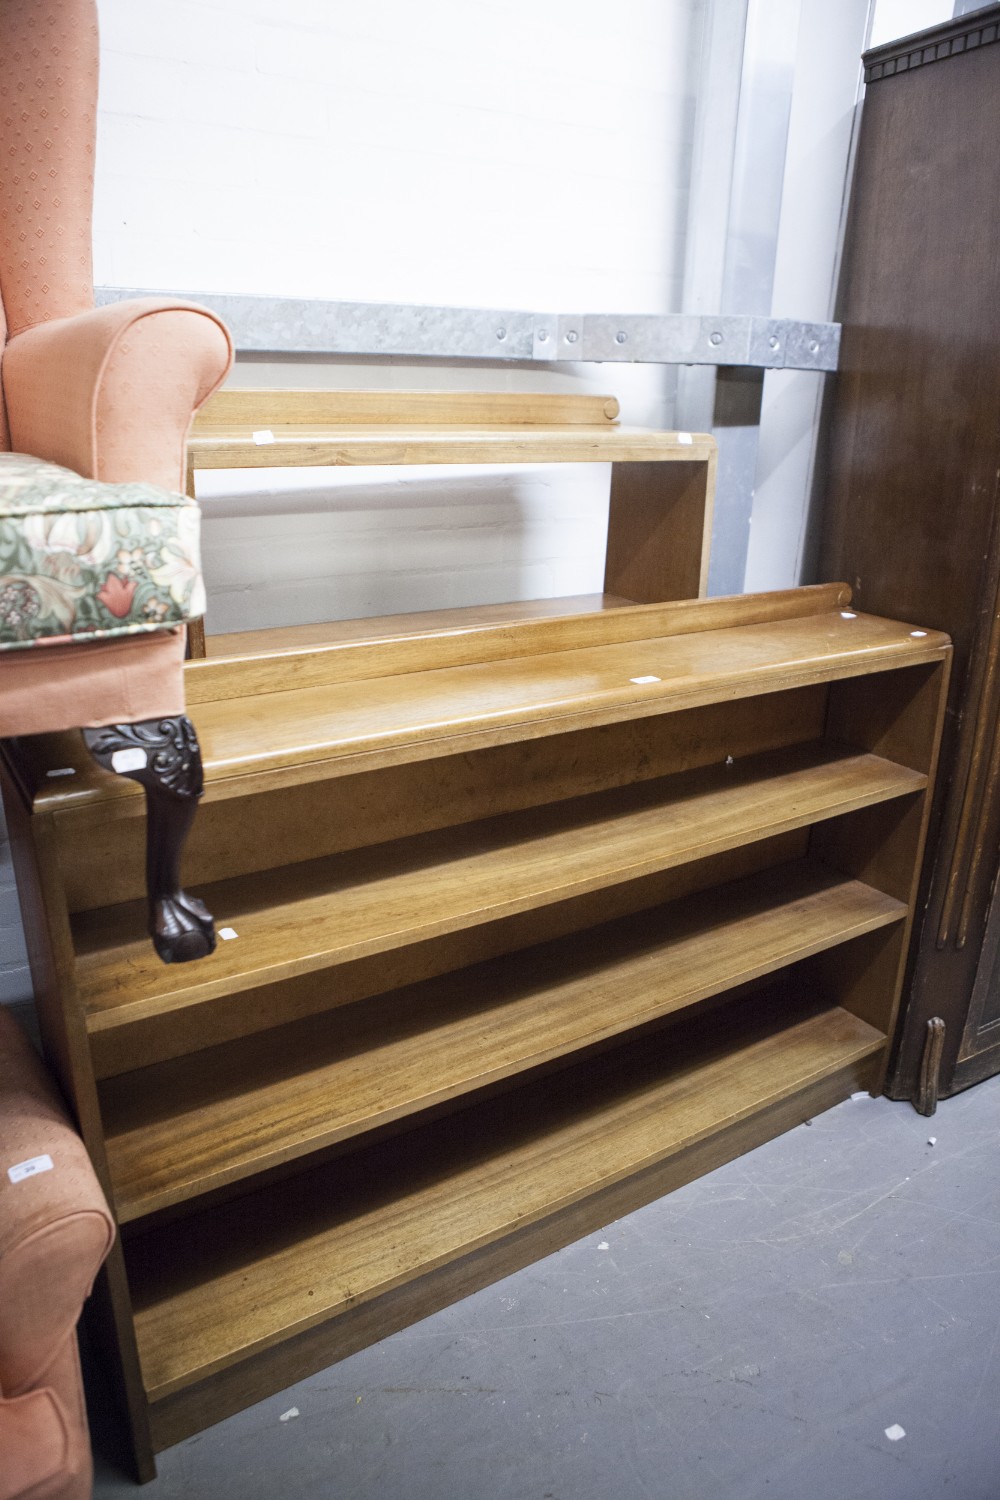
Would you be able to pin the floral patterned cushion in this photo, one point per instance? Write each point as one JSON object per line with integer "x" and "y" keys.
{"x": 81, "y": 560}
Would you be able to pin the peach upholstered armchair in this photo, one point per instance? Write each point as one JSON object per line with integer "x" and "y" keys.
{"x": 99, "y": 563}
{"x": 55, "y": 1230}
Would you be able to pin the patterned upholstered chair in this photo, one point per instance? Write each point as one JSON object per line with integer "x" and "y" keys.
{"x": 99, "y": 561}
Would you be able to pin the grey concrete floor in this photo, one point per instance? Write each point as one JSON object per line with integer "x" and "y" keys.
{"x": 754, "y": 1334}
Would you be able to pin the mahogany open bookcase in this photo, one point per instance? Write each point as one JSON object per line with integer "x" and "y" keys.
{"x": 534, "y": 919}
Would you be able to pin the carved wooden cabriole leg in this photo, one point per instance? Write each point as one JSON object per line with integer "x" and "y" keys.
{"x": 163, "y": 755}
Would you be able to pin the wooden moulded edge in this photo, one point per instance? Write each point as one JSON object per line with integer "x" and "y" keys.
{"x": 416, "y": 649}
{"x": 255, "y": 406}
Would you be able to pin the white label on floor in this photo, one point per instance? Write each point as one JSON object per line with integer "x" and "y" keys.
{"x": 895, "y": 1432}
{"x": 30, "y": 1168}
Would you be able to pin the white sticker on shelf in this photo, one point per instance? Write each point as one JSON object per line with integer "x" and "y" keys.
{"x": 918, "y": 633}
{"x": 848, "y": 614}
{"x": 30, "y": 1168}
{"x": 133, "y": 759}
{"x": 61, "y": 771}
{"x": 685, "y": 438}
{"x": 642, "y": 680}
{"x": 227, "y": 934}
{"x": 265, "y": 435}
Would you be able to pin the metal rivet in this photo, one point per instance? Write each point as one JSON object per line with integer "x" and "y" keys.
{"x": 715, "y": 338}
{"x": 572, "y": 336}
{"x": 543, "y": 337}
{"x": 621, "y": 338}
{"x": 501, "y": 333}
{"x": 773, "y": 343}
{"x": 813, "y": 346}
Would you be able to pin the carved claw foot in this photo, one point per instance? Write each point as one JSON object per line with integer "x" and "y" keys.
{"x": 181, "y": 928}
{"x": 163, "y": 756}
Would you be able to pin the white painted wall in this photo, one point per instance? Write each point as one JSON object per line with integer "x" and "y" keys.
{"x": 496, "y": 152}
{"x": 514, "y": 154}
{"x": 892, "y": 19}
{"x": 828, "y": 84}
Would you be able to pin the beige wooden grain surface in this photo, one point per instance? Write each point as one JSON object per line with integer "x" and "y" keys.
{"x": 326, "y": 1241}
{"x": 197, "y": 1123}
{"x": 310, "y": 916}
{"x": 257, "y": 408}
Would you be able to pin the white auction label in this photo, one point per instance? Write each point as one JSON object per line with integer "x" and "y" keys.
{"x": 30, "y": 1168}
{"x": 133, "y": 759}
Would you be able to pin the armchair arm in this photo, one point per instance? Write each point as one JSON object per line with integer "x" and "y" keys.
{"x": 35, "y": 1445}
{"x": 55, "y": 1226}
{"x": 111, "y": 392}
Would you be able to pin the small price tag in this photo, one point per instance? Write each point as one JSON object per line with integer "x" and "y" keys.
{"x": 685, "y": 437}
{"x": 30, "y": 1168}
{"x": 133, "y": 759}
{"x": 265, "y": 435}
{"x": 640, "y": 681}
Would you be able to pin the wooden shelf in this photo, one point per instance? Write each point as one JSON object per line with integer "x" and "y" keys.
{"x": 324, "y": 912}
{"x": 411, "y": 714}
{"x": 193, "y": 1124}
{"x": 377, "y": 702}
{"x": 309, "y": 444}
{"x": 422, "y": 427}
{"x": 271, "y": 1266}
{"x": 536, "y": 918}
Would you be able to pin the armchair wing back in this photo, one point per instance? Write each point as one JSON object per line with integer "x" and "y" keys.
{"x": 107, "y": 393}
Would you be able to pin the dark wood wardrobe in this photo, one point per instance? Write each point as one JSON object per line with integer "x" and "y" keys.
{"x": 910, "y": 492}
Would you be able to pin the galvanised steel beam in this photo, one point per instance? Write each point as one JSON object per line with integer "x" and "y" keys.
{"x": 290, "y": 325}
